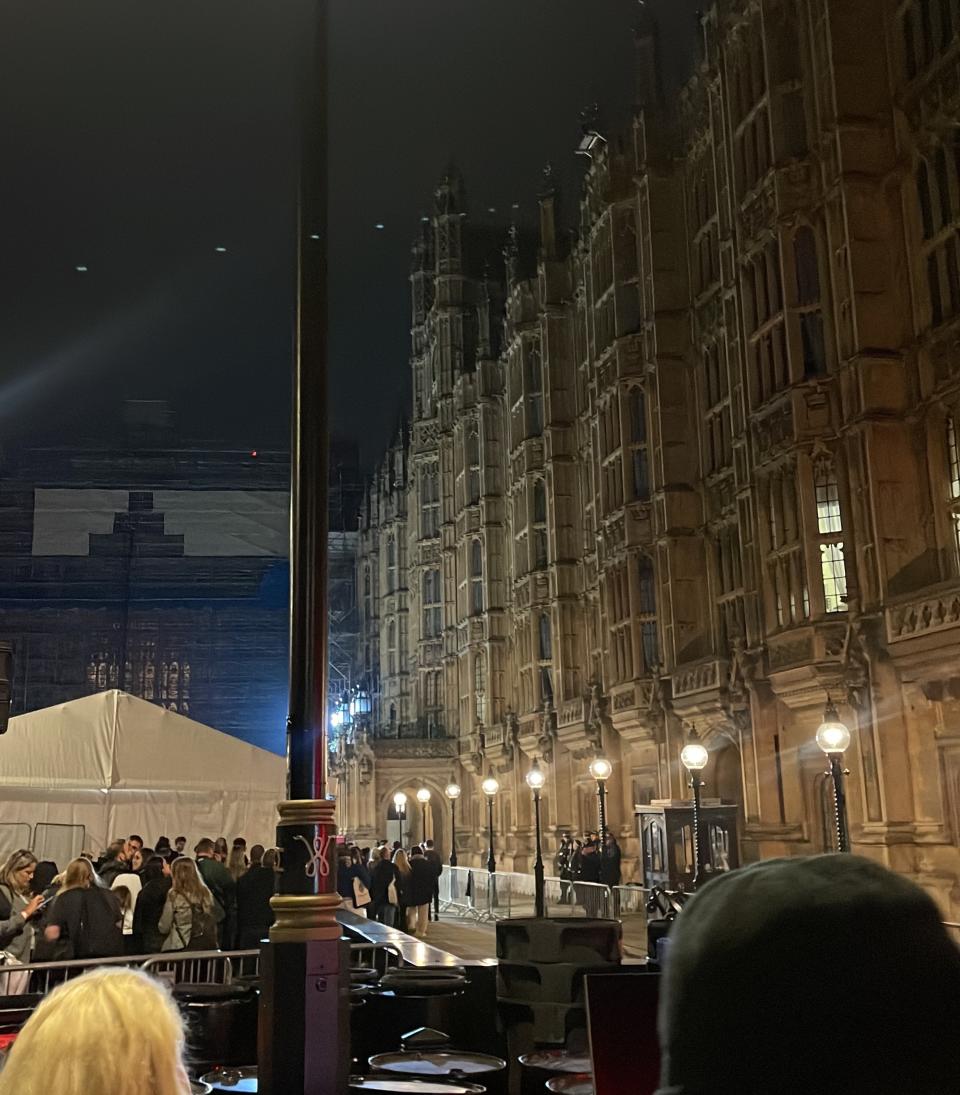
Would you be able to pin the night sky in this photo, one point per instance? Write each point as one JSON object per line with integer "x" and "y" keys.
{"x": 139, "y": 137}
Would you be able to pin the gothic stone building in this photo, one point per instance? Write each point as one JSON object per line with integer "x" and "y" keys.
{"x": 696, "y": 470}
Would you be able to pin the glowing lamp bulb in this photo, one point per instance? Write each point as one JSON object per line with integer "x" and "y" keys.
{"x": 536, "y": 778}
{"x": 400, "y": 800}
{"x": 453, "y": 791}
{"x": 490, "y": 786}
{"x": 423, "y": 796}
{"x": 600, "y": 768}
{"x": 833, "y": 736}
{"x": 694, "y": 757}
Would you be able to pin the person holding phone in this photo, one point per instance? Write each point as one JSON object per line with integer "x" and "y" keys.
{"x": 18, "y": 907}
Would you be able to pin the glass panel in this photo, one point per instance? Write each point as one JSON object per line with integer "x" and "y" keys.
{"x": 834, "y": 570}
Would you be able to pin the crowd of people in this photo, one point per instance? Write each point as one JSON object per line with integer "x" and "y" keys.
{"x": 133, "y": 900}
{"x": 394, "y": 885}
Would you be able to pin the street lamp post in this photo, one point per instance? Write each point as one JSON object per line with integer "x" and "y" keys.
{"x": 453, "y": 793}
{"x": 400, "y": 802}
{"x": 490, "y": 787}
{"x": 694, "y": 758}
{"x": 601, "y": 769}
{"x": 423, "y": 797}
{"x": 535, "y": 781}
{"x": 304, "y": 1039}
{"x": 833, "y": 737}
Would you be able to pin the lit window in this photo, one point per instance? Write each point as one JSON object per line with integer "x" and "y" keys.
{"x": 834, "y": 570}
{"x": 828, "y": 502}
{"x": 954, "y": 457}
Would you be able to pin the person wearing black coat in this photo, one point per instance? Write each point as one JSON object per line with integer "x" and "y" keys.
{"x": 382, "y": 874}
{"x": 146, "y": 913}
{"x": 254, "y": 890}
{"x": 610, "y": 861}
{"x": 422, "y": 880}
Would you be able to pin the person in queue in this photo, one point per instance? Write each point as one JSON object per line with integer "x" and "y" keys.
{"x": 237, "y": 862}
{"x": 113, "y": 863}
{"x": 383, "y": 888}
{"x": 420, "y": 894}
{"x": 221, "y": 884}
{"x": 180, "y": 844}
{"x": 432, "y": 856}
{"x": 85, "y": 919}
{"x": 792, "y": 976}
{"x": 254, "y": 890}
{"x": 404, "y": 893}
{"x": 149, "y": 907}
{"x": 61, "y": 1047}
{"x": 18, "y": 910}
{"x": 220, "y": 850}
{"x": 188, "y": 921}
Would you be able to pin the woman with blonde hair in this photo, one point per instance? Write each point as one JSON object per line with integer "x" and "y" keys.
{"x": 61, "y": 1047}
{"x": 237, "y": 862}
{"x": 84, "y": 919}
{"x": 404, "y": 883}
{"x": 188, "y": 921}
{"x": 18, "y": 907}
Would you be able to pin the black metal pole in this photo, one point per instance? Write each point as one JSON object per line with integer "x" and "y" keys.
{"x": 304, "y": 1042}
{"x": 453, "y": 832}
{"x": 602, "y": 797}
{"x": 401, "y": 811}
{"x": 491, "y": 857}
{"x": 538, "y": 885}
{"x": 423, "y": 810}
{"x": 699, "y": 872}
{"x": 840, "y": 802}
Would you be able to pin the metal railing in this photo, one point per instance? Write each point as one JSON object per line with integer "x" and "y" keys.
{"x": 480, "y": 895}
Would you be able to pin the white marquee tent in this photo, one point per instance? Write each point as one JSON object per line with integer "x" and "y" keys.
{"x": 116, "y": 765}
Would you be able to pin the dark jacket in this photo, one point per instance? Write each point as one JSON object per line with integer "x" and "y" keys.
{"x": 221, "y": 884}
{"x": 90, "y": 921}
{"x": 610, "y": 865}
{"x": 422, "y": 880}
{"x": 432, "y": 856}
{"x": 346, "y": 873}
{"x": 146, "y": 916}
{"x": 590, "y": 863}
{"x": 254, "y": 915}
{"x": 109, "y": 871}
{"x": 382, "y": 874}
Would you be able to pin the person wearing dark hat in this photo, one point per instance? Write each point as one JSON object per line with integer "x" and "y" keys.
{"x": 827, "y": 974}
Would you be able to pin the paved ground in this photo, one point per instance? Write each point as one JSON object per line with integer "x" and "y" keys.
{"x": 471, "y": 940}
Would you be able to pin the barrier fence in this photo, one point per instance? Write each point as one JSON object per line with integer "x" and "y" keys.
{"x": 480, "y": 895}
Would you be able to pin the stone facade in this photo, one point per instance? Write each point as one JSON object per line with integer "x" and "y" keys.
{"x": 697, "y": 469}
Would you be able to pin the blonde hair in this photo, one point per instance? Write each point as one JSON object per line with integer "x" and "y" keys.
{"x": 237, "y": 863}
{"x": 61, "y": 1047}
{"x": 401, "y": 862}
{"x": 186, "y": 880}
{"x": 78, "y": 876}
{"x": 19, "y": 861}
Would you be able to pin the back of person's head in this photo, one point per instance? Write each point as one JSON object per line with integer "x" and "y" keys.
{"x": 793, "y": 976}
{"x": 429, "y": 844}
{"x": 384, "y": 853}
{"x": 153, "y": 869}
{"x": 79, "y": 875}
{"x": 416, "y": 851}
{"x": 220, "y": 847}
{"x": 124, "y": 896}
{"x": 46, "y": 871}
{"x": 271, "y": 859}
{"x": 186, "y": 880}
{"x": 204, "y": 847}
{"x": 114, "y": 850}
{"x": 240, "y": 842}
{"x": 237, "y": 862}
{"x": 356, "y": 856}
{"x": 401, "y": 862}
{"x": 163, "y": 842}
{"x": 115, "y": 1031}
{"x": 256, "y": 855}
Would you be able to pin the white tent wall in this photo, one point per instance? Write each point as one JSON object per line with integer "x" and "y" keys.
{"x": 117, "y": 765}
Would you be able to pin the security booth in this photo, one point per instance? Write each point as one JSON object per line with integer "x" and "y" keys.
{"x": 667, "y": 855}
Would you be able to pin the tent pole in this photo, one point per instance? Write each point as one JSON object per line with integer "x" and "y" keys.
{"x": 304, "y": 1021}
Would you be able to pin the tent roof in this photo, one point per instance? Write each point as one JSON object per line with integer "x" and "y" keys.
{"x": 112, "y": 740}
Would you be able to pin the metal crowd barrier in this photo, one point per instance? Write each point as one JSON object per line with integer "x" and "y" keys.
{"x": 480, "y": 895}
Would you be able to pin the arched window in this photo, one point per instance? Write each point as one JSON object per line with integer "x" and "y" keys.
{"x": 391, "y": 564}
{"x": 473, "y": 465}
{"x": 392, "y": 648}
{"x": 431, "y": 604}
{"x": 830, "y": 527}
{"x": 480, "y": 686}
{"x": 807, "y": 270}
{"x": 539, "y": 524}
{"x": 476, "y": 577}
{"x": 637, "y": 409}
{"x": 647, "y": 587}
{"x": 953, "y": 471}
{"x": 539, "y": 502}
{"x": 638, "y": 415}
{"x": 545, "y": 637}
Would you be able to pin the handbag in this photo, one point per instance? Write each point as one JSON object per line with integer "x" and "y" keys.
{"x": 393, "y": 898}
{"x": 361, "y": 895}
